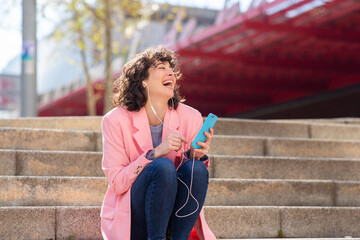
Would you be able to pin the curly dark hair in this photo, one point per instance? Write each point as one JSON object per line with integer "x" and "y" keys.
{"x": 128, "y": 89}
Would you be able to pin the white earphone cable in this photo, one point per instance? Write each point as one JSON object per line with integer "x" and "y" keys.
{"x": 182, "y": 159}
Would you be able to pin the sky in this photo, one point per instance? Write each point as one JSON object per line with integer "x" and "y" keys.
{"x": 10, "y": 26}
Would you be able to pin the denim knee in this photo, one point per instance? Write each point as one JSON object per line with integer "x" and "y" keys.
{"x": 199, "y": 168}
{"x": 164, "y": 168}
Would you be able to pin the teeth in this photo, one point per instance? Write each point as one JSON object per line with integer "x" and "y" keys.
{"x": 167, "y": 82}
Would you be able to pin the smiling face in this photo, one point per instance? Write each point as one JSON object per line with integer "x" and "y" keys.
{"x": 159, "y": 69}
{"x": 161, "y": 81}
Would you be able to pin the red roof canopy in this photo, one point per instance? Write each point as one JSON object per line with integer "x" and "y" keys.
{"x": 271, "y": 54}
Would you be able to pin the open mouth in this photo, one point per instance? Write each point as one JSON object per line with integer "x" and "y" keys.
{"x": 168, "y": 83}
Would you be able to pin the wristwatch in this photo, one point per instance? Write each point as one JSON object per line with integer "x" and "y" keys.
{"x": 150, "y": 155}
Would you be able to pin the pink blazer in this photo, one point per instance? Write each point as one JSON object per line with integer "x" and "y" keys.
{"x": 126, "y": 139}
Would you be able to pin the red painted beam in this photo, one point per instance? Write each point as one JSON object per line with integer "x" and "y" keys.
{"x": 280, "y": 14}
{"x": 316, "y": 49}
{"x": 77, "y": 95}
{"x": 322, "y": 20}
{"x": 277, "y": 62}
{"x": 266, "y": 41}
{"x": 225, "y": 40}
{"x": 251, "y": 74}
{"x": 265, "y": 10}
{"x": 240, "y": 84}
{"x": 221, "y": 100}
{"x": 230, "y": 36}
{"x": 332, "y": 12}
{"x": 323, "y": 32}
{"x": 236, "y": 36}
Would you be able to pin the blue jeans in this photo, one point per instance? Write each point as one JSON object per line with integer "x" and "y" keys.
{"x": 157, "y": 194}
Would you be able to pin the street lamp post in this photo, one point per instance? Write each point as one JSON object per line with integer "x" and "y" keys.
{"x": 28, "y": 69}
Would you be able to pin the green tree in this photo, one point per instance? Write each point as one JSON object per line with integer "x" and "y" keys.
{"x": 91, "y": 24}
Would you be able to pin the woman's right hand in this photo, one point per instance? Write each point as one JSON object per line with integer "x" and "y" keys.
{"x": 172, "y": 142}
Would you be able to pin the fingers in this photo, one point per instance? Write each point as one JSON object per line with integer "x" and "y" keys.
{"x": 203, "y": 145}
{"x": 209, "y": 135}
{"x": 175, "y": 142}
{"x": 178, "y": 138}
{"x": 200, "y": 152}
{"x": 174, "y": 146}
{"x": 183, "y": 139}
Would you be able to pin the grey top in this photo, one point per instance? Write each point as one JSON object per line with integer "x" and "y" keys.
{"x": 156, "y": 134}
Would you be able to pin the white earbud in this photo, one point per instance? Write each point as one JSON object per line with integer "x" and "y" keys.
{"x": 145, "y": 83}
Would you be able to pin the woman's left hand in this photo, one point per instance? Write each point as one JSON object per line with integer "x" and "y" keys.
{"x": 199, "y": 153}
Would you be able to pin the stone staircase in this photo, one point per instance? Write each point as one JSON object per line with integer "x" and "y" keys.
{"x": 269, "y": 179}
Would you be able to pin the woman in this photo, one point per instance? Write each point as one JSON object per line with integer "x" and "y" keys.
{"x": 147, "y": 156}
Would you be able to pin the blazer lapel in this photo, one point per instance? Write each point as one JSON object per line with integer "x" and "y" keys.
{"x": 143, "y": 135}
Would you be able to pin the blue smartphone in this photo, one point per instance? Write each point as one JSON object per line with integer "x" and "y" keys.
{"x": 200, "y": 137}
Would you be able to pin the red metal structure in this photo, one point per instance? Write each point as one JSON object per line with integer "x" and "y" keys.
{"x": 276, "y": 52}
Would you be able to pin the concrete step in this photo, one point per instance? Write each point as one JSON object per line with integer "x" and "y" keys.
{"x": 293, "y": 147}
{"x": 63, "y": 163}
{"x": 63, "y": 123}
{"x": 261, "y": 192}
{"x": 317, "y": 128}
{"x": 44, "y": 139}
{"x": 226, "y": 222}
{"x": 221, "y": 145}
{"x": 52, "y": 191}
{"x": 89, "y": 191}
{"x": 269, "y": 167}
{"x": 312, "y": 148}
{"x": 255, "y": 222}
{"x": 50, "y": 163}
{"x": 75, "y": 163}
{"x": 288, "y": 129}
{"x": 61, "y": 223}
